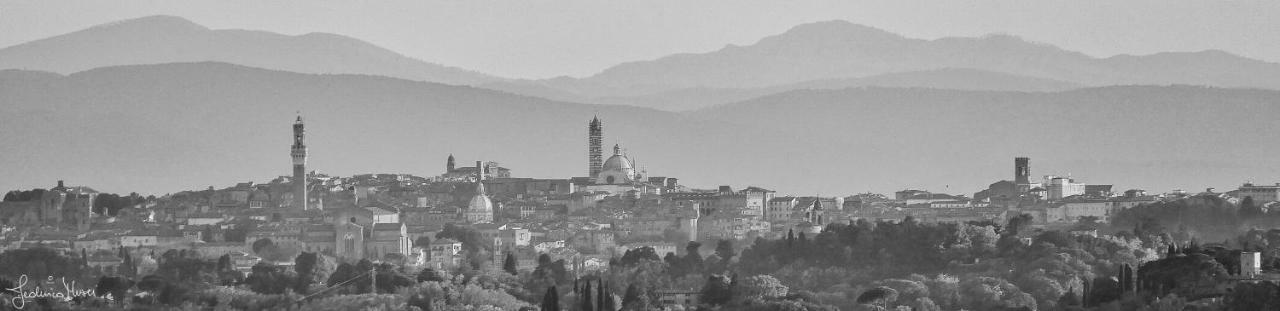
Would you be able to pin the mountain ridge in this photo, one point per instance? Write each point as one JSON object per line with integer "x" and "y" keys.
{"x": 825, "y": 50}
{"x": 170, "y": 39}
{"x": 840, "y": 49}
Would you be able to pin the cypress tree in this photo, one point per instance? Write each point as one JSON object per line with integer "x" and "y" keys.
{"x": 600, "y": 294}
{"x": 1124, "y": 278}
{"x": 587, "y": 305}
{"x": 510, "y": 264}
{"x": 631, "y": 295}
{"x": 1085, "y": 295}
{"x": 610, "y": 300}
{"x": 551, "y": 300}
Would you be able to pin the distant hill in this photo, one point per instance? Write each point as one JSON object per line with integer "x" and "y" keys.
{"x": 950, "y": 78}
{"x": 169, "y": 39}
{"x": 841, "y": 50}
{"x": 823, "y": 55}
{"x": 171, "y": 127}
{"x": 1158, "y": 138}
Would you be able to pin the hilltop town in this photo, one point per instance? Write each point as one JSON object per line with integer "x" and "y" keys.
{"x": 485, "y": 217}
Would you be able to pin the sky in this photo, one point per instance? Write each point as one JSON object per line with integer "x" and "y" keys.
{"x": 549, "y": 38}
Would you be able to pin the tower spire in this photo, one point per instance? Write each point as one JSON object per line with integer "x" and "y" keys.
{"x": 299, "y": 153}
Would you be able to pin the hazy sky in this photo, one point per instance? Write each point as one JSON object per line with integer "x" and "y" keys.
{"x": 544, "y": 38}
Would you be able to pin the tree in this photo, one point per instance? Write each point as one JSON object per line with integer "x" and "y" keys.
{"x": 1017, "y": 223}
{"x": 724, "y": 250}
{"x": 509, "y": 264}
{"x": 152, "y": 283}
{"x": 420, "y": 300}
{"x": 269, "y": 279}
{"x": 551, "y": 300}
{"x": 39, "y": 261}
{"x": 762, "y": 286}
{"x": 692, "y": 261}
{"x": 344, "y": 272}
{"x": 632, "y": 296}
{"x": 1248, "y": 208}
{"x": 586, "y": 302}
{"x": 791, "y": 237}
{"x": 718, "y": 290}
{"x": 1253, "y": 296}
{"x": 311, "y": 268}
{"x": 114, "y": 286}
{"x": 422, "y": 241}
{"x": 1069, "y": 299}
{"x": 389, "y": 279}
{"x": 880, "y": 295}
{"x": 262, "y": 244}
{"x": 608, "y": 300}
{"x": 633, "y": 256}
{"x": 430, "y": 275}
{"x": 1192, "y": 275}
{"x": 470, "y": 238}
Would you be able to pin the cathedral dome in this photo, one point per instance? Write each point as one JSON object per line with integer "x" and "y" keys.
{"x": 618, "y": 169}
{"x": 618, "y": 163}
{"x": 480, "y": 202}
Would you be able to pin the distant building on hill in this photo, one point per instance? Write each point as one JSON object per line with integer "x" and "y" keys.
{"x": 62, "y": 206}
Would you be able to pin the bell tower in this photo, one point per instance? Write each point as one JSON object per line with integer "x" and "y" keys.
{"x": 1021, "y": 170}
{"x": 595, "y": 156}
{"x": 449, "y": 165}
{"x": 299, "y": 153}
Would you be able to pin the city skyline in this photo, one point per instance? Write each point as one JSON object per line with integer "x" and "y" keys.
{"x": 1056, "y": 155}
{"x": 1119, "y": 170}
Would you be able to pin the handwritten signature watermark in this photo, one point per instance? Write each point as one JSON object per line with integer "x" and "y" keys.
{"x": 50, "y": 290}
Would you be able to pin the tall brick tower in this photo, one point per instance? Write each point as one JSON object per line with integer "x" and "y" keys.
{"x": 299, "y": 153}
{"x": 449, "y": 165}
{"x": 1021, "y": 170}
{"x": 595, "y": 156}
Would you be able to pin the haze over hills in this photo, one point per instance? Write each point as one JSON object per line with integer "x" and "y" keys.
{"x": 169, "y": 39}
{"x": 840, "y": 49}
{"x": 171, "y": 127}
{"x": 949, "y": 78}
{"x": 1157, "y": 138}
{"x": 823, "y": 55}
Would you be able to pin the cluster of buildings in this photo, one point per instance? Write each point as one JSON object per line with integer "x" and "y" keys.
{"x": 585, "y": 220}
